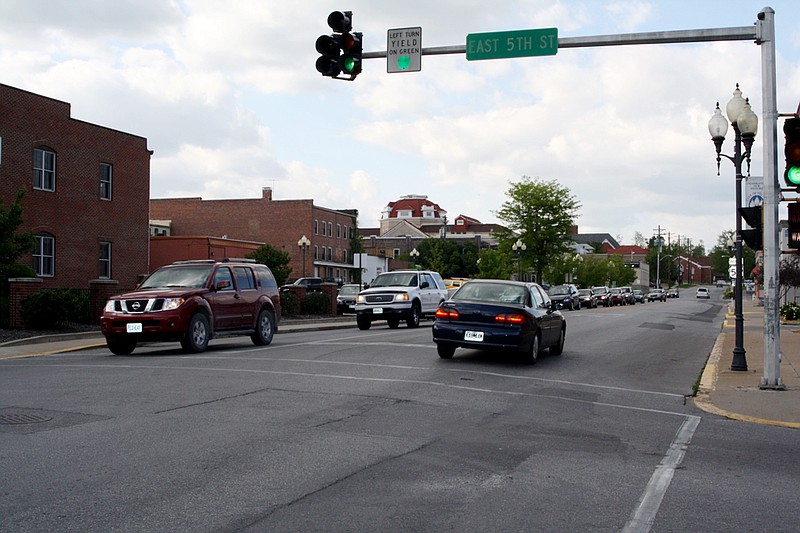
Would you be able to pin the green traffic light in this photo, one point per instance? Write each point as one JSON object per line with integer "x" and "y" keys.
{"x": 793, "y": 175}
{"x": 349, "y": 64}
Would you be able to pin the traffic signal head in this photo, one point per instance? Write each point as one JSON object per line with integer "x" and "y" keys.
{"x": 792, "y": 150}
{"x": 341, "y": 51}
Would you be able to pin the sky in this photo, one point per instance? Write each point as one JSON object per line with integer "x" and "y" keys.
{"x": 229, "y": 99}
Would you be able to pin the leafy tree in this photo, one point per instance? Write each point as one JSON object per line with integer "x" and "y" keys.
{"x": 788, "y": 275}
{"x": 619, "y": 274}
{"x": 541, "y": 214}
{"x": 449, "y": 257}
{"x": 276, "y": 260}
{"x": 494, "y": 264}
{"x": 592, "y": 272}
{"x": 13, "y": 244}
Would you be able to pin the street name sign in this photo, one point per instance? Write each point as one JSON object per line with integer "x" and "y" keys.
{"x": 505, "y": 44}
{"x": 404, "y": 50}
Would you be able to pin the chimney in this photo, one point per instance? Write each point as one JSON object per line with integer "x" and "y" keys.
{"x": 266, "y": 193}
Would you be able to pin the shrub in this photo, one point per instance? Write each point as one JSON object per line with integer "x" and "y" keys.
{"x": 316, "y": 303}
{"x": 289, "y": 303}
{"x": 790, "y": 311}
{"x": 53, "y": 308}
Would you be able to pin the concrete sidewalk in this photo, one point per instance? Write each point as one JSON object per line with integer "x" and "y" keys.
{"x": 732, "y": 394}
{"x": 736, "y": 394}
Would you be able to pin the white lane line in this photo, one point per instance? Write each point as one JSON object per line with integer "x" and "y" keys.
{"x": 373, "y": 379}
{"x": 642, "y": 518}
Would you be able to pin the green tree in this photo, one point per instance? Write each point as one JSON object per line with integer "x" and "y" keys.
{"x": 276, "y": 260}
{"x": 592, "y": 272}
{"x": 449, "y": 257}
{"x": 13, "y": 244}
{"x": 494, "y": 264}
{"x": 541, "y": 213}
{"x": 618, "y": 274}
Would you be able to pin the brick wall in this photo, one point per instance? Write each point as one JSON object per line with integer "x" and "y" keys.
{"x": 74, "y": 214}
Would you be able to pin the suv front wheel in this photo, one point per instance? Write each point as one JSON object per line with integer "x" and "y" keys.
{"x": 197, "y": 334}
{"x": 413, "y": 319}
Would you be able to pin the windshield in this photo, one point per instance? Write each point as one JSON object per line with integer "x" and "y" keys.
{"x": 348, "y": 290}
{"x": 585, "y": 292}
{"x": 614, "y": 291}
{"x": 395, "y": 279}
{"x": 558, "y": 291}
{"x": 490, "y": 292}
{"x": 194, "y": 276}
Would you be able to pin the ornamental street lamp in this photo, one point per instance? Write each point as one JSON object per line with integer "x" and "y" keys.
{"x": 304, "y": 243}
{"x": 745, "y": 126}
{"x": 414, "y": 253}
{"x": 519, "y": 247}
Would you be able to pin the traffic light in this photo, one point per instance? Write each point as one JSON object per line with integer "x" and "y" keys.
{"x": 341, "y": 51}
{"x": 792, "y": 130}
{"x": 754, "y": 238}
{"x": 794, "y": 226}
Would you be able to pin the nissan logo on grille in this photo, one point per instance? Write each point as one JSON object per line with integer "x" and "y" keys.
{"x": 136, "y": 306}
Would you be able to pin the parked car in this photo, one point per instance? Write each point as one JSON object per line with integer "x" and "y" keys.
{"x": 502, "y": 315}
{"x": 400, "y": 295}
{"x": 588, "y": 299}
{"x": 311, "y": 284}
{"x": 673, "y": 293}
{"x": 603, "y": 295}
{"x": 565, "y": 296}
{"x": 346, "y": 298}
{"x": 638, "y": 296}
{"x": 627, "y": 294}
{"x": 702, "y": 292}
{"x": 194, "y": 302}
{"x": 657, "y": 294}
{"x": 616, "y": 296}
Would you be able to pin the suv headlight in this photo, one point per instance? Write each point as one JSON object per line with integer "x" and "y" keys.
{"x": 360, "y": 299}
{"x": 401, "y": 298}
{"x": 171, "y": 303}
{"x": 109, "y": 308}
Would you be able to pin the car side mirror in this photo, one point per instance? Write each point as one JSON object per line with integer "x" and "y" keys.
{"x": 223, "y": 284}
{"x": 424, "y": 285}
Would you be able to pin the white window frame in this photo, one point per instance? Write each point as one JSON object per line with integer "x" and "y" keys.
{"x": 44, "y": 177}
{"x": 106, "y": 181}
{"x": 44, "y": 255}
{"x": 105, "y": 262}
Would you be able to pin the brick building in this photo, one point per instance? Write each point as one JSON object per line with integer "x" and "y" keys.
{"x": 279, "y": 223}
{"x": 87, "y": 190}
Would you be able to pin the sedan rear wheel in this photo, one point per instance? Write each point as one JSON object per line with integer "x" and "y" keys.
{"x": 532, "y": 355}
{"x": 445, "y": 350}
{"x": 558, "y": 348}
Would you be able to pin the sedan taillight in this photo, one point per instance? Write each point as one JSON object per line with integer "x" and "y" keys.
{"x": 510, "y": 319}
{"x": 445, "y": 312}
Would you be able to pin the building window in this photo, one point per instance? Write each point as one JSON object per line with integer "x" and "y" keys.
{"x": 44, "y": 170}
{"x": 105, "y": 181}
{"x": 338, "y": 231}
{"x": 316, "y": 252}
{"x": 404, "y": 213}
{"x": 105, "y": 260}
{"x": 316, "y": 227}
{"x": 44, "y": 255}
{"x": 396, "y": 253}
{"x": 330, "y": 229}
{"x": 330, "y": 253}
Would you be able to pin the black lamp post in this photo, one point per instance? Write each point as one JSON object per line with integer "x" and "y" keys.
{"x": 304, "y": 243}
{"x": 519, "y": 247}
{"x": 745, "y": 126}
{"x": 414, "y": 254}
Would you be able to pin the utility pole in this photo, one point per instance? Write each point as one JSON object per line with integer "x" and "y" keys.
{"x": 659, "y": 242}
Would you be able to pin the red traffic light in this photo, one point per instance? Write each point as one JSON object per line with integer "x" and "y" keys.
{"x": 341, "y": 21}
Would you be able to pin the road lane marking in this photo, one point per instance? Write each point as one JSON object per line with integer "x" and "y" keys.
{"x": 645, "y": 514}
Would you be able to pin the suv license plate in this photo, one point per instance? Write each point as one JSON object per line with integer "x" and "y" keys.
{"x": 134, "y": 327}
{"x": 473, "y": 336}
{"x": 377, "y": 311}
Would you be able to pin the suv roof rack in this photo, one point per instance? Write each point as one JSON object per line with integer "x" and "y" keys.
{"x": 237, "y": 260}
{"x": 194, "y": 261}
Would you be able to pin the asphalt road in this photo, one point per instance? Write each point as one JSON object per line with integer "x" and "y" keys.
{"x": 352, "y": 430}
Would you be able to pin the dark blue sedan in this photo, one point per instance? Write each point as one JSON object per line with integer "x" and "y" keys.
{"x": 497, "y": 314}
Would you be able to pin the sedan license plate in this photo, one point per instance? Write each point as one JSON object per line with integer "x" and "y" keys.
{"x": 134, "y": 327}
{"x": 377, "y": 311}
{"x": 476, "y": 336}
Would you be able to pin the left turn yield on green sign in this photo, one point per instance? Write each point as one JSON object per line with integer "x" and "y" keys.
{"x": 404, "y": 50}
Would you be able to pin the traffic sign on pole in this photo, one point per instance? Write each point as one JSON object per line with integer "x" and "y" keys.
{"x": 504, "y": 44}
{"x": 404, "y": 50}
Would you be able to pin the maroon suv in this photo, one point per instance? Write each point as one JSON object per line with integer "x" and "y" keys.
{"x": 193, "y": 302}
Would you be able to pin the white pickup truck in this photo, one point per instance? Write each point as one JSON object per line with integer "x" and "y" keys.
{"x": 400, "y": 295}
